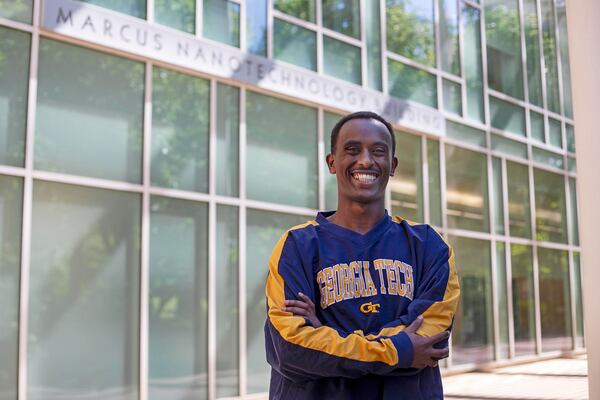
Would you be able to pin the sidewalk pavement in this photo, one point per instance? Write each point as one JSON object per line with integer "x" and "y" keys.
{"x": 556, "y": 379}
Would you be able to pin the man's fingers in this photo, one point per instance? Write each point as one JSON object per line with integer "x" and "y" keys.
{"x": 412, "y": 328}
{"x": 297, "y": 311}
{"x": 306, "y": 299}
{"x": 296, "y": 303}
{"x": 440, "y": 337}
{"x": 438, "y": 354}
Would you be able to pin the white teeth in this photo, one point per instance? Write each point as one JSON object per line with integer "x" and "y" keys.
{"x": 364, "y": 178}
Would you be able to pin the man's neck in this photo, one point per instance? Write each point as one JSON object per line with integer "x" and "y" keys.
{"x": 359, "y": 217}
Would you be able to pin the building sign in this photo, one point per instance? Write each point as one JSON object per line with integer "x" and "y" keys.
{"x": 118, "y": 31}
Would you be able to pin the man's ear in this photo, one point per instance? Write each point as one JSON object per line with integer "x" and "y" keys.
{"x": 394, "y": 165}
{"x": 330, "y": 163}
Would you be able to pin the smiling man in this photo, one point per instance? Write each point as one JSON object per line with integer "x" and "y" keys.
{"x": 385, "y": 289}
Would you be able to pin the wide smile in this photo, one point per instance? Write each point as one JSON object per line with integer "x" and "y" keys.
{"x": 366, "y": 177}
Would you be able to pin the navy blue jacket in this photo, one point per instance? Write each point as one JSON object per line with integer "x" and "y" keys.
{"x": 367, "y": 289}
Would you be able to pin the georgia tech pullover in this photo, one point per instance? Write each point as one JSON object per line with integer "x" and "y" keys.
{"x": 367, "y": 288}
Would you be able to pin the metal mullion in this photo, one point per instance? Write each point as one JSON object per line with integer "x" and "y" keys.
{"x": 145, "y": 236}
{"x": 150, "y": 11}
{"x": 295, "y": 20}
{"x": 9, "y": 170}
{"x": 412, "y": 63}
{"x": 536, "y": 282}
{"x": 199, "y": 12}
{"x": 212, "y": 244}
{"x": 523, "y": 53}
{"x": 321, "y": 158}
{"x": 558, "y": 59}
{"x": 21, "y": 26}
{"x": 466, "y": 146}
{"x": 341, "y": 37}
{"x": 363, "y": 44}
{"x": 542, "y": 58}
{"x": 508, "y": 98}
{"x": 473, "y": 4}
{"x": 547, "y": 168}
{"x": 270, "y": 26}
{"x": 494, "y": 266}
{"x": 484, "y": 70}
{"x": 383, "y": 37}
{"x": 319, "y": 33}
{"x": 572, "y": 300}
{"x": 467, "y": 122}
{"x": 24, "y": 276}
{"x": 243, "y": 26}
{"x": 86, "y": 181}
{"x": 508, "y": 261}
{"x": 509, "y": 135}
{"x": 509, "y": 157}
{"x": 442, "y": 158}
{"x": 470, "y": 234}
{"x": 461, "y": 55}
{"x": 282, "y": 208}
{"x": 451, "y": 77}
{"x": 242, "y": 245}
{"x": 438, "y": 78}
{"x": 425, "y": 180}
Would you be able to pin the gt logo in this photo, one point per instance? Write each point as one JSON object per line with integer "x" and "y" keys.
{"x": 369, "y": 308}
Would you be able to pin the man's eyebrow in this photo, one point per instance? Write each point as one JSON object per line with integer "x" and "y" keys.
{"x": 356, "y": 142}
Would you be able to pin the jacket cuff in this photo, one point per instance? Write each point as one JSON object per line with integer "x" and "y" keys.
{"x": 404, "y": 348}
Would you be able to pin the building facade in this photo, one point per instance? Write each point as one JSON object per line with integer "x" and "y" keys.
{"x": 152, "y": 152}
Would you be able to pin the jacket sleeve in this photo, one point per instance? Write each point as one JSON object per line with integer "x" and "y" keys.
{"x": 301, "y": 352}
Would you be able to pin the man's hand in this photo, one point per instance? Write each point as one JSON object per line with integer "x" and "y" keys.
{"x": 304, "y": 308}
{"x": 424, "y": 354}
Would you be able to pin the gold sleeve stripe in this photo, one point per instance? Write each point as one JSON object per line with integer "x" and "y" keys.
{"x": 294, "y": 330}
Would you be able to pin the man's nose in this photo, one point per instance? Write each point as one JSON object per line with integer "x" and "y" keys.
{"x": 365, "y": 159}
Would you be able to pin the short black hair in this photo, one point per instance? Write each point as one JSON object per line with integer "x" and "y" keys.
{"x": 361, "y": 115}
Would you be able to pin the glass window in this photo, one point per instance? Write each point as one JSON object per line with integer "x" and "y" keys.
{"x": 497, "y": 190}
{"x": 574, "y": 217}
{"x": 554, "y": 132}
{"x": 84, "y": 291}
{"x": 179, "y": 131}
{"x": 563, "y": 36}
{"x": 550, "y": 207}
{"x": 435, "y": 183}
{"x": 547, "y": 157}
{"x": 11, "y": 207}
{"x": 342, "y": 16}
{"x": 14, "y": 79}
{"x": 281, "y": 160}
{"x": 373, "y": 43}
{"x": 221, "y": 21}
{"x": 509, "y": 147}
{"x": 571, "y": 164}
{"x": 578, "y": 301}
{"x": 452, "y": 97}
{"x": 294, "y": 44}
{"x": 465, "y": 133}
{"x": 263, "y": 230}
{"x": 555, "y": 304}
{"x": 304, "y": 9}
{"x": 411, "y": 29}
{"x": 502, "y": 290}
{"x": 549, "y": 40}
{"x": 570, "y": 138}
{"x": 532, "y": 46}
{"x": 228, "y": 124}
{"x": 410, "y": 83}
{"x": 341, "y": 60}
{"x": 450, "y": 56}
{"x": 519, "y": 211}
{"x": 136, "y": 8}
{"x": 178, "y": 299}
{"x": 523, "y": 303}
{"x": 178, "y": 14}
{"x": 507, "y": 117}
{"x": 78, "y": 88}
{"x": 407, "y": 183}
{"x": 537, "y": 126}
{"x": 472, "y": 335}
{"x": 503, "y": 41}
{"x": 227, "y": 302}
{"x": 466, "y": 189}
{"x": 331, "y": 191}
{"x": 472, "y": 63}
{"x": 18, "y": 10}
{"x": 256, "y": 27}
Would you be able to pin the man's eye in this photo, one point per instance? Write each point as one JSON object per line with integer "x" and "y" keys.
{"x": 379, "y": 151}
{"x": 352, "y": 149}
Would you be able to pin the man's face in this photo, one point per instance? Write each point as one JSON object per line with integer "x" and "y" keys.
{"x": 362, "y": 160}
